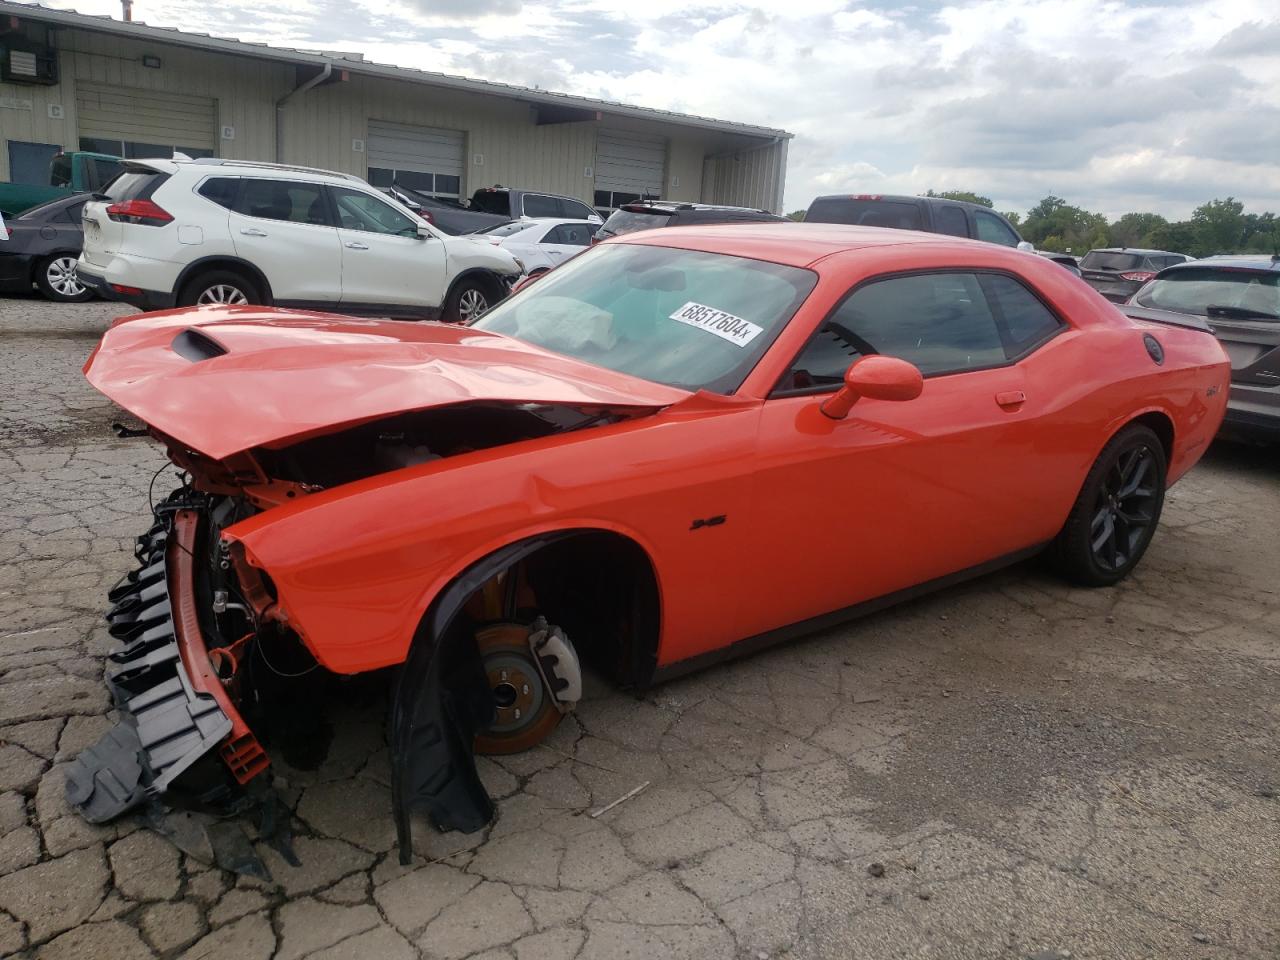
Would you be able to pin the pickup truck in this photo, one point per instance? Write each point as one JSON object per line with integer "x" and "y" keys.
{"x": 958, "y": 218}
{"x": 69, "y": 173}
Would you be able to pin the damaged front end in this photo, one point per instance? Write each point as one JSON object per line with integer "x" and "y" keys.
{"x": 210, "y": 666}
{"x": 175, "y": 683}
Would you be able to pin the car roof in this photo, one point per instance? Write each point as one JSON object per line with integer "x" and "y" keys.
{"x": 671, "y": 206}
{"x": 1262, "y": 262}
{"x": 791, "y": 244}
{"x": 906, "y": 198}
{"x": 282, "y": 171}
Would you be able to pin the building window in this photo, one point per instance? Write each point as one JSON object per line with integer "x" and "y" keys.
{"x": 608, "y": 201}
{"x": 431, "y": 184}
{"x": 139, "y": 151}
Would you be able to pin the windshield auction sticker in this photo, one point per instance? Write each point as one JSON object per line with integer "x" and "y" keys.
{"x": 724, "y": 325}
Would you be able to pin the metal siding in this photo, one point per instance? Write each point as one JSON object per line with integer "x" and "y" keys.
{"x": 748, "y": 178}
{"x": 630, "y": 162}
{"x": 402, "y": 146}
{"x": 149, "y": 116}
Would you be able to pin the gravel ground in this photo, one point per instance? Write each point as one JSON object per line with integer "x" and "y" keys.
{"x": 1011, "y": 768}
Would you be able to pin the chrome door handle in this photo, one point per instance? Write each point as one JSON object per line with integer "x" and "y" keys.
{"x": 356, "y": 246}
{"x": 254, "y": 232}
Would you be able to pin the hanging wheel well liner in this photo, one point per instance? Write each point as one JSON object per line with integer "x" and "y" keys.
{"x": 596, "y": 582}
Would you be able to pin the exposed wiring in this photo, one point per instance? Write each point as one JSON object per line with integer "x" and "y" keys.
{"x": 280, "y": 673}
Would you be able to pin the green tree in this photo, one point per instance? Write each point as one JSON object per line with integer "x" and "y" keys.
{"x": 1219, "y": 226}
{"x": 965, "y": 195}
{"x": 1132, "y": 229}
{"x": 1012, "y": 217}
{"x": 1177, "y": 237}
{"x": 1069, "y": 226}
{"x": 796, "y": 215}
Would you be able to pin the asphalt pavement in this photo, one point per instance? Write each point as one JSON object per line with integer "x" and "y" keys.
{"x": 1013, "y": 768}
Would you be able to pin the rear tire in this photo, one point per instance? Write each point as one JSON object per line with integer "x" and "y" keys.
{"x": 219, "y": 287}
{"x": 56, "y": 278}
{"x": 1116, "y": 514}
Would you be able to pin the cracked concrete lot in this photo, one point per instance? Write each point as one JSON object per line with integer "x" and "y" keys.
{"x": 1012, "y": 768}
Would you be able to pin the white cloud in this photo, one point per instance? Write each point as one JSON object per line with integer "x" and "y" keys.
{"x": 1154, "y": 105}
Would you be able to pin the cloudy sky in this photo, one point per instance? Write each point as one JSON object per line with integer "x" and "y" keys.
{"x": 1154, "y": 105}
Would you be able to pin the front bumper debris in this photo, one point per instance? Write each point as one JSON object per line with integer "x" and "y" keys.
{"x": 174, "y": 709}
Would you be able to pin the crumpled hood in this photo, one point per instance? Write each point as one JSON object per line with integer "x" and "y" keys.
{"x": 225, "y": 379}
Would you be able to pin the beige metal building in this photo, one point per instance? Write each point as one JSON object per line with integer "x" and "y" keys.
{"x": 71, "y": 81}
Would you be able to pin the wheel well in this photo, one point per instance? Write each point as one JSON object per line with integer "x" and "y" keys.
{"x": 493, "y": 286}
{"x": 194, "y": 270}
{"x": 600, "y": 587}
{"x": 1159, "y": 424}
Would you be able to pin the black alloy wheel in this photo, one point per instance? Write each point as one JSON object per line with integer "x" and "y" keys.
{"x": 1117, "y": 511}
{"x": 1126, "y": 508}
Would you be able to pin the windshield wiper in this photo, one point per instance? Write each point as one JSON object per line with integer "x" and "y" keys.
{"x": 1239, "y": 313}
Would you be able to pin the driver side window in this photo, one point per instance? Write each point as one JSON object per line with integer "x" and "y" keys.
{"x": 359, "y": 211}
{"x": 941, "y": 322}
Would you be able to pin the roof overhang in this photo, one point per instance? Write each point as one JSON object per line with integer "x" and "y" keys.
{"x": 563, "y": 105}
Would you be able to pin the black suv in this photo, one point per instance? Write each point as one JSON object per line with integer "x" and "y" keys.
{"x": 956, "y": 218}
{"x": 1119, "y": 272}
{"x": 650, "y": 214}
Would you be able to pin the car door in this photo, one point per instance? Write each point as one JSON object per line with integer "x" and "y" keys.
{"x": 384, "y": 259}
{"x": 283, "y": 228}
{"x": 565, "y": 241}
{"x": 901, "y": 493}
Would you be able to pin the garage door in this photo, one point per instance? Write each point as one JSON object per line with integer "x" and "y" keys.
{"x": 628, "y": 167}
{"x": 425, "y": 159}
{"x": 144, "y": 123}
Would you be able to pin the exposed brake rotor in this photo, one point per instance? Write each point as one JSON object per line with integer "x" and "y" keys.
{"x": 531, "y": 690}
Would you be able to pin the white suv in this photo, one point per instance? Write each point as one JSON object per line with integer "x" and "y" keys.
{"x": 183, "y": 232}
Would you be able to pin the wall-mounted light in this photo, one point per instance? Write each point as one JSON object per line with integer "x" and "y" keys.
{"x": 151, "y": 60}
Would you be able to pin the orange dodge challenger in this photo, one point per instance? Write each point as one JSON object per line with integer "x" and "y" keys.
{"x": 681, "y": 445}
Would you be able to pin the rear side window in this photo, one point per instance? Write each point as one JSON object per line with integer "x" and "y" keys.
{"x": 573, "y": 234}
{"x": 994, "y": 230}
{"x": 897, "y": 214}
{"x": 134, "y": 185}
{"x": 1027, "y": 321}
{"x": 951, "y": 221}
{"x": 536, "y": 205}
{"x": 221, "y": 190}
{"x": 290, "y": 200}
{"x": 492, "y": 201}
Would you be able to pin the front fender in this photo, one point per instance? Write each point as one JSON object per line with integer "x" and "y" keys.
{"x": 441, "y": 702}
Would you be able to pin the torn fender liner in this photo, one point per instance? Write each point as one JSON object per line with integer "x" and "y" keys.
{"x": 171, "y": 717}
{"x": 441, "y": 701}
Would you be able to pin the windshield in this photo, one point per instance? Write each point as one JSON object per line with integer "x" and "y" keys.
{"x": 680, "y": 317}
{"x": 1105, "y": 260}
{"x": 1195, "y": 289}
{"x": 506, "y": 229}
{"x": 628, "y": 221}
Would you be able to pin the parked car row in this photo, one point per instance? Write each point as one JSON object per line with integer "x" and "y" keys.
{"x": 282, "y": 235}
